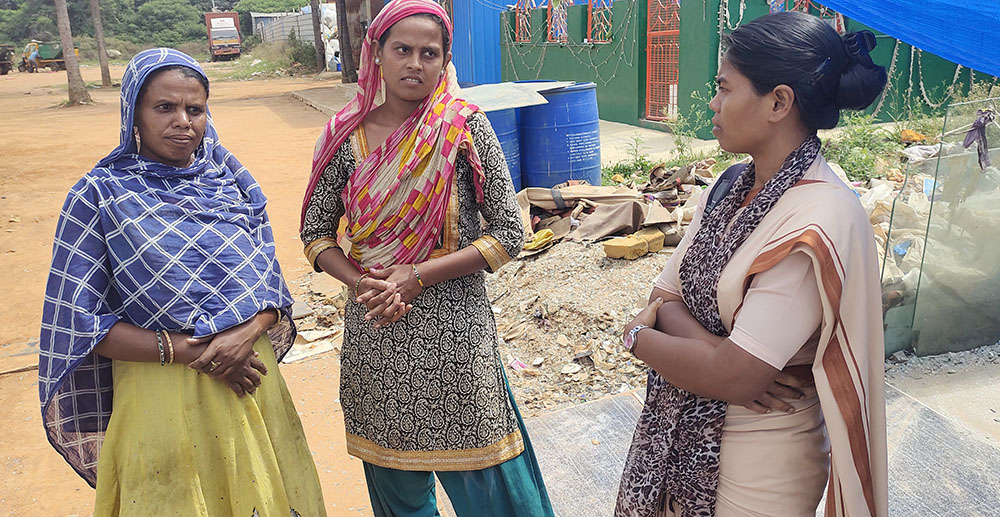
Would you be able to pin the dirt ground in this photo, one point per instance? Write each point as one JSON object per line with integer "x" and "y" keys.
{"x": 45, "y": 150}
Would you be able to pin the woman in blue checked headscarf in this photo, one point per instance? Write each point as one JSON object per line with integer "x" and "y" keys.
{"x": 164, "y": 268}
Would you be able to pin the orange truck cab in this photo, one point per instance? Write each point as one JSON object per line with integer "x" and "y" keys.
{"x": 223, "y": 35}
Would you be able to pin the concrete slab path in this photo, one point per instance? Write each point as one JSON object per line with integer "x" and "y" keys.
{"x": 937, "y": 466}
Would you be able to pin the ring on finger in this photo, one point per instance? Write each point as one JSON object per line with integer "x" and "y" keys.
{"x": 214, "y": 365}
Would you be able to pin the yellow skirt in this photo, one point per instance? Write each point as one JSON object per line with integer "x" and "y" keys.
{"x": 180, "y": 443}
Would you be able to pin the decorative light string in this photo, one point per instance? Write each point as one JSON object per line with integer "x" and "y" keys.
{"x": 624, "y": 39}
{"x": 948, "y": 92}
{"x": 743, "y": 8}
{"x": 583, "y": 53}
{"x": 889, "y": 83}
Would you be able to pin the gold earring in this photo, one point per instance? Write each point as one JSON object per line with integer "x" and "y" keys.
{"x": 378, "y": 61}
{"x": 138, "y": 141}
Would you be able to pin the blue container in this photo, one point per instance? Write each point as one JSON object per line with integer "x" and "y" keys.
{"x": 476, "y": 44}
{"x": 504, "y": 124}
{"x": 561, "y": 140}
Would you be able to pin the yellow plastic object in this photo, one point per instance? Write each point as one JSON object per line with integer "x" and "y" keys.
{"x": 909, "y": 136}
{"x": 542, "y": 239}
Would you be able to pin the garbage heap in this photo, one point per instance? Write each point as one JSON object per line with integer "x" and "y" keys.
{"x": 935, "y": 230}
{"x": 587, "y": 270}
{"x": 644, "y": 218}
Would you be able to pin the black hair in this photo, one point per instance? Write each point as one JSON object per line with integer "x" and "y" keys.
{"x": 432, "y": 17}
{"x": 186, "y": 71}
{"x": 805, "y": 53}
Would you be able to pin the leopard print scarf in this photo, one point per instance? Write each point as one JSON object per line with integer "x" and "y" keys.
{"x": 675, "y": 449}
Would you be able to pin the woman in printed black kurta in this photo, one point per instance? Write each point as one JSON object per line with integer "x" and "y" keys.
{"x": 422, "y": 386}
{"x": 431, "y": 382}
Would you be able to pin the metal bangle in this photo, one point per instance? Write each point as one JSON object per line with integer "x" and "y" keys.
{"x": 357, "y": 285}
{"x": 170, "y": 346}
{"x": 159, "y": 344}
{"x": 417, "y": 274}
{"x": 633, "y": 337}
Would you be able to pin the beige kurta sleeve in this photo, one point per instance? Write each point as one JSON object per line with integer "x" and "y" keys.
{"x": 781, "y": 311}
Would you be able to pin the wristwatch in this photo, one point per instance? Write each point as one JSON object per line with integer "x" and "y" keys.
{"x": 630, "y": 338}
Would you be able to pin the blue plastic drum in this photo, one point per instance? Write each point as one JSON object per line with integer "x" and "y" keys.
{"x": 504, "y": 124}
{"x": 561, "y": 140}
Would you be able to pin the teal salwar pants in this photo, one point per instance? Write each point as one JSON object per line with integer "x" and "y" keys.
{"x": 513, "y": 488}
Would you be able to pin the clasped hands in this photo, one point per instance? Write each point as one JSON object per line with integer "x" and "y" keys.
{"x": 387, "y": 293}
{"x": 228, "y": 355}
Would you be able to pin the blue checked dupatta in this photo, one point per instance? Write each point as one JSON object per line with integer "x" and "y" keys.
{"x": 184, "y": 249}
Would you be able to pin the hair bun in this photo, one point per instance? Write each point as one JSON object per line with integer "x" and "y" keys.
{"x": 860, "y": 85}
{"x": 862, "y": 80}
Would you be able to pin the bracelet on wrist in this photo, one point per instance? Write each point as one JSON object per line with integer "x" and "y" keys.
{"x": 170, "y": 346}
{"x": 417, "y": 274}
{"x": 357, "y": 285}
{"x": 159, "y": 345}
{"x": 632, "y": 338}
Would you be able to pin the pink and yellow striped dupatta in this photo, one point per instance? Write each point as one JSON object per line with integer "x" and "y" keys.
{"x": 397, "y": 198}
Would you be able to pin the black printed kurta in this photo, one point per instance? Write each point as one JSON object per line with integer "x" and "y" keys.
{"x": 427, "y": 392}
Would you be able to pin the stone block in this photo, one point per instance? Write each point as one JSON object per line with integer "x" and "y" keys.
{"x": 629, "y": 248}
{"x": 653, "y": 237}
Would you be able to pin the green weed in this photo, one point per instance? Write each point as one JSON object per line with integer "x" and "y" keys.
{"x": 275, "y": 59}
{"x": 636, "y": 166}
{"x": 863, "y": 149}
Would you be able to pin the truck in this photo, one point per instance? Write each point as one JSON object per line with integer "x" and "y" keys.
{"x": 223, "y": 35}
{"x": 50, "y": 54}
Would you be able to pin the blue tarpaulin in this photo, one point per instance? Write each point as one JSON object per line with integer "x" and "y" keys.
{"x": 962, "y": 31}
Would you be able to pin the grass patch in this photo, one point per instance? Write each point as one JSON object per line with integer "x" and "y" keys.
{"x": 275, "y": 59}
{"x": 637, "y": 166}
{"x": 198, "y": 49}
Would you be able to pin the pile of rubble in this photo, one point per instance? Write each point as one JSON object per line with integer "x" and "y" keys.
{"x": 319, "y": 317}
{"x": 560, "y": 318}
{"x": 957, "y": 276}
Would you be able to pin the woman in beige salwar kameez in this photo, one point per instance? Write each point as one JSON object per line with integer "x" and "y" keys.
{"x": 764, "y": 332}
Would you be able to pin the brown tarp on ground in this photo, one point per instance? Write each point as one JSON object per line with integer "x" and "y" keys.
{"x": 616, "y": 210}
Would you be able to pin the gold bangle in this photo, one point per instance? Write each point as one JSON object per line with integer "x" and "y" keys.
{"x": 170, "y": 346}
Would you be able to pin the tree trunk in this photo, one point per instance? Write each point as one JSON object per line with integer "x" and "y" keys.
{"x": 102, "y": 51}
{"x": 77, "y": 89}
{"x": 348, "y": 70}
{"x": 374, "y": 7}
{"x": 356, "y": 30}
{"x": 317, "y": 13}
